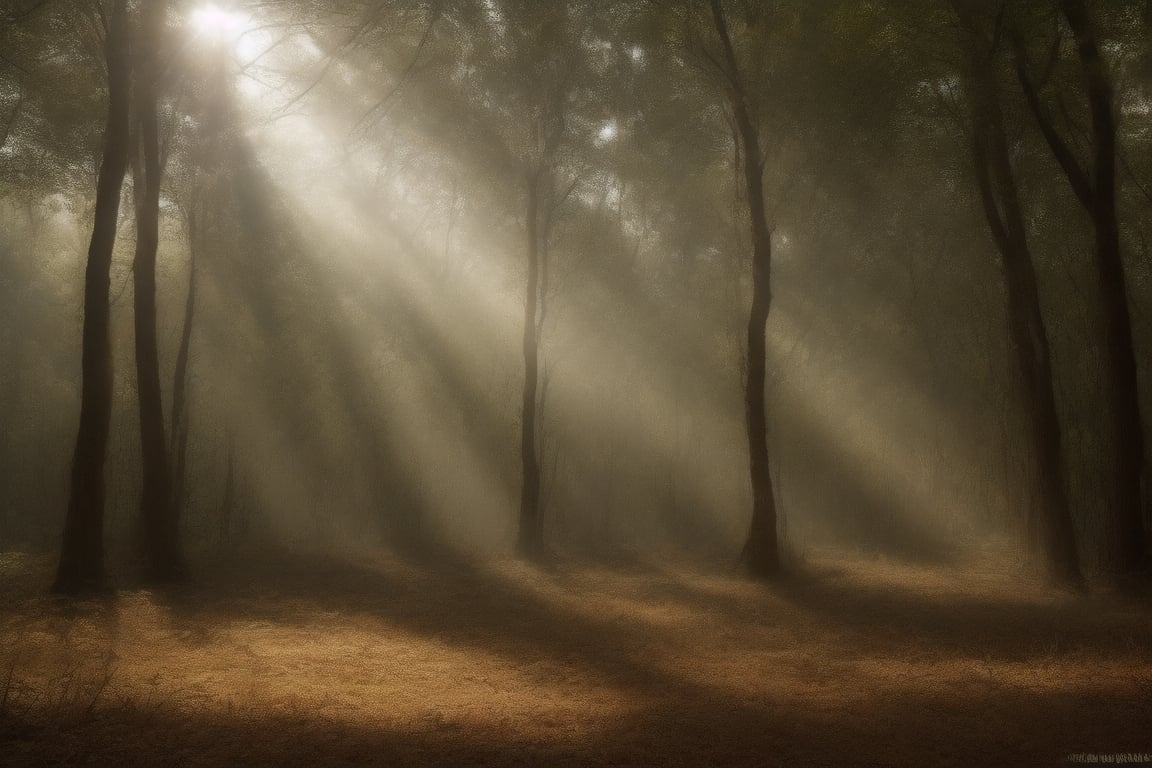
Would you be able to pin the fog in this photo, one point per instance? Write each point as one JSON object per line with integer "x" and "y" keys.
{"x": 630, "y": 382}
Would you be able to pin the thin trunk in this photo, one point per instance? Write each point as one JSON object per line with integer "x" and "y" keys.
{"x": 179, "y": 419}
{"x": 543, "y": 232}
{"x": 761, "y": 550}
{"x": 531, "y": 543}
{"x": 1052, "y": 519}
{"x": 1128, "y": 543}
{"x": 158, "y": 525}
{"x": 228, "y": 503}
{"x": 81, "y": 565}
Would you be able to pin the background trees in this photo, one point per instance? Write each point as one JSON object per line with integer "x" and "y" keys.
{"x": 491, "y": 275}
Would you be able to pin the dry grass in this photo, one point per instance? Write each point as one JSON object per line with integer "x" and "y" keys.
{"x": 378, "y": 661}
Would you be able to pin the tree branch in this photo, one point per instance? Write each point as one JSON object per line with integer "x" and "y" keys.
{"x": 1077, "y": 176}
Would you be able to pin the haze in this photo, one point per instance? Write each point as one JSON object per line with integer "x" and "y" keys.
{"x": 575, "y": 382}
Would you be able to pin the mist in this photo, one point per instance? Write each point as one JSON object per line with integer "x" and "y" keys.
{"x": 574, "y": 382}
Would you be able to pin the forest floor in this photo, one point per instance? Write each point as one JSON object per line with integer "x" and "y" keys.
{"x": 375, "y": 661}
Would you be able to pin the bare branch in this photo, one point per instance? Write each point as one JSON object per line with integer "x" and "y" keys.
{"x": 1077, "y": 176}
{"x": 404, "y": 75}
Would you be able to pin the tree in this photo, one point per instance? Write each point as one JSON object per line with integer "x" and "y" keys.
{"x": 761, "y": 550}
{"x": 179, "y": 419}
{"x": 1000, "y": 200}
{"x": 159, "y": 527}
{"x": 81, "y": 566}
{"x": 540, "y": 197}
{"x": 1095, "y": 189}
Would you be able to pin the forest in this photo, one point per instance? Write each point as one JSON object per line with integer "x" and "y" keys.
{"x": 575, "y": 382}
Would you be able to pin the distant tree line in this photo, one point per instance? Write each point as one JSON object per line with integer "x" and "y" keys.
{"x": 796, "y": 212}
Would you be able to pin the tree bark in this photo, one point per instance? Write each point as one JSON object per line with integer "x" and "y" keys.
{"x": 1095, "y": 188}
{"x": 227, "y": 539}
{"x": 531, "y": 543}
{"x": 761, "y": 550}
{"x": 159, "y": 528}
{"x": 1051, "y": 521}
{"x": 1128, "y": 546}
{"x": 81, "y": 567}
{"x": 179, "y": 418}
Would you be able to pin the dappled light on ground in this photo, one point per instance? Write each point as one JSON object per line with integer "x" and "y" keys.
{"x": 295, "y": 660}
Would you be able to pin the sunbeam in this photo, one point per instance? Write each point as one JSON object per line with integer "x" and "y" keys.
{"x": 504, "y": 382}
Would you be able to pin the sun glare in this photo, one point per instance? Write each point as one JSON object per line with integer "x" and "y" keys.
{"x": 219, "y": 24}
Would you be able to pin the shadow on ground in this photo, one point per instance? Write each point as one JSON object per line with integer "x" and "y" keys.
{"x": 847, "y": 663}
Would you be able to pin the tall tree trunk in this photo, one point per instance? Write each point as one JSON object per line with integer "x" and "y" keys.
{"x": 1128, "y": 543}
{"x": 158, "y": 525}
{"x": 1096, "y": 191}
{"x": 179, "y": 418}
{"x": 761, "y": 550}
{"x": 81, "y": 565}
{"x": 531, "y": 544}
{"x": 1052, "y": 519}
{"x": 227, "y": 539}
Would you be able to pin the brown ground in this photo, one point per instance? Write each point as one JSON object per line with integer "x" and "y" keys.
{"x": 376, "y": 662}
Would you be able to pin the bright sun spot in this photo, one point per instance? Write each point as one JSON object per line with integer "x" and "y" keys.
{"x": 219, "y": 24}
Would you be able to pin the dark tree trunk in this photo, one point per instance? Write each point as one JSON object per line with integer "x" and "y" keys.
{"x": 1096, "y": 191}
{"x": 228, "y": 503}
{"x": 1052, "y": 519}
{"x": 81, "y": 565}
{"x": 761, "y": 550}
{"x": 158, "y": 525}
{"x": 531, "y": 543}
{"x": 1128, "y": 543}
{"x": 179, "y": 419}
